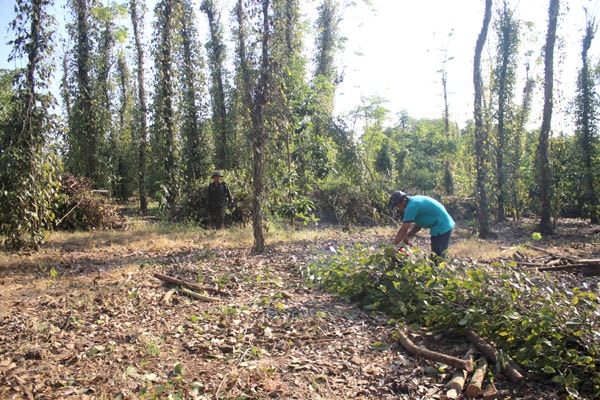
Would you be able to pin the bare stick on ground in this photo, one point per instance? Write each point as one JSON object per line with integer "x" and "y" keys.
{"x": 188, "y": 284}
{"x": 455, "y": 362}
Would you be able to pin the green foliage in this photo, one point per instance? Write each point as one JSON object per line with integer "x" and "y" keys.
{"x": 300, "y": 208}
{"x": 28, "y": 191}
{"x": 550, "y": 329}
{"x": 341, "y": 201}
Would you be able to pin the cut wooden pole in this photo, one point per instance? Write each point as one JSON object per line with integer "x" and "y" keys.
{"x": 456, "y": 384}
{"x": 492, "y": 354}
{"x": 477, "y": 379}
{"x": 459, "y": 377}
{"x": 455, "y": 362}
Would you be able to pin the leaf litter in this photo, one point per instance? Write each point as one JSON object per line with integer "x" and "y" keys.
{"x": 106, "y": 328}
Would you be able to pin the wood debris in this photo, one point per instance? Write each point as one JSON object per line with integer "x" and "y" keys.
{"x": 553, "y": 262}
{"x": 455, "y": 362}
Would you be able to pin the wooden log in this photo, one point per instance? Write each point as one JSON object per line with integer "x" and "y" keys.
{"x": 492, "y": 354}
{"x": 188, "y": 284}
{"x": 456, "y": 384}
{"x": 459, "y": 377}
{"x": 489, "y": 391}
{"x": 477, "y": 379}
{"x": 434, "y": 356}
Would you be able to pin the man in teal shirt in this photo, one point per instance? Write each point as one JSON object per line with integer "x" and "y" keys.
{"x": 423, "y": 212}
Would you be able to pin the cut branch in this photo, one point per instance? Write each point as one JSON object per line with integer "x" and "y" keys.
{"x": 492, "y": 354}
{"x": 197, "y": 296}
{"x": 188, "y": 284}
{"x": 412, "y": 348}
{"x": 459, "y": 377}
{"x": 476, "y": 382}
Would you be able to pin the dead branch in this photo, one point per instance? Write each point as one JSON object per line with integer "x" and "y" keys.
{"x": 589, "y": 261}
{"x": 531, "y": 264}
{"x": 197, "y": 296}
{"x": 588, "y": 267}
{"x": 476, "y": 382}
{"x": 188, "y": 284}
{"x": 412, "y": 348}
{"x": 492, "y": 354}
{"x": 543, "y": 250}
{"x": 69, "y": 212}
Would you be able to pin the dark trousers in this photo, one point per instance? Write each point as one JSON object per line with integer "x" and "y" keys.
{"x": 217, "y": 216}
{"x": 440, "y": 243}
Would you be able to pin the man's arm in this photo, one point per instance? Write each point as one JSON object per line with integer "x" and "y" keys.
{"x": 404, "y": 234}
{"x": 413, "y": 232}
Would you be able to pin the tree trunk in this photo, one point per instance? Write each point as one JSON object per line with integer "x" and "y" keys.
{"x": 545, "y": 195}
{"x": 480, "y": 134}
{"x": 256, "y": 98}
{"x": 137, "y": 21}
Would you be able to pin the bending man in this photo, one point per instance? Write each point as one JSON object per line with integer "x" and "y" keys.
{"x": 423, "y": 212}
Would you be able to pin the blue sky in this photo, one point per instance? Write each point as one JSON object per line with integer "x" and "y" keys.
{"x": 395, "y": 49}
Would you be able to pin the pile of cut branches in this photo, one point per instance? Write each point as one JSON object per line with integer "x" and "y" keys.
{"x": 548, "y": 328}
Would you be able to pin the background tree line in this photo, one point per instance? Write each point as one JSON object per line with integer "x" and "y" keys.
{"x": 148, "y": 115}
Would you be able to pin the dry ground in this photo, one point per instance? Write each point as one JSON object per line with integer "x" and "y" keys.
{"x": 86, "y": 319}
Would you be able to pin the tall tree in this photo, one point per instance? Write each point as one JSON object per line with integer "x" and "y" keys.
{"x": 448, "y": 178}
{"x": 517, "y": 168}
{"x": 216, "y": 52}
{"x": 164, "y": 124}
{"x": 504, "y": 82}
{"x": 121, "y": 141}
{"x": 192, "y": 83}
{"x": 85, "y": 136}
{"x": 480, "y": 132}
{"x": 28, "y": 179}
{"x": 256, "y": 74}
{"x": 326, "y": 77}
{"x": 137, "y": 21}
{"x": 544, "y": 146}
{"x": 586, "y": 109}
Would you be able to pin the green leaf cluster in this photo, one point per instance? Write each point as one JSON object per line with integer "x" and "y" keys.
{"x": 547, "y": 327}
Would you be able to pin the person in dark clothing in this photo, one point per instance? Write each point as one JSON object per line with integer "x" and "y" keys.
{"x": 218, "y": 198}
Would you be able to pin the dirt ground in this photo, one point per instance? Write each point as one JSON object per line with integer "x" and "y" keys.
{"x": 95, "y": 323}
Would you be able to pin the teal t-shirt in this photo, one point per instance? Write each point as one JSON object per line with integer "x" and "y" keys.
{"x": 428, "y": 213}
